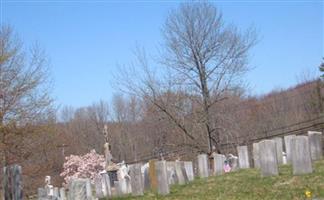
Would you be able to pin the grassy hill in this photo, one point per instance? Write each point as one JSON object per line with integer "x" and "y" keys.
{"x": 248, "y": 184}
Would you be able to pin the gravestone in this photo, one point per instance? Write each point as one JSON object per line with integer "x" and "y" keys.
{"x": 268, "y": 158}
{"x": 179, "y": 172}
{"x": 279, "y": 149}
{"x": 219, "y": 161}
{"x": 233, "y": 162}
{"x": 315, "y": 145}
{"x": 62, "y": 194}
{"x": 116, "y": 192}
{"x": 136, "y": 179}
{"x": 41, "y": 194}
{"x": 162, "y": 178}
{"x": 243, "y": 156}
{"x": 56, "y": 193}
{"x": 301, "y": 157}
{"x": 189, "y": 170}
{"x": 106, "y": 187}
{"x": 288, "y": 147}
{"x": 98, "y": 187}
{"x": 171, "y": 172}
{"x": 80, "y": 189}
{"x": 12, "y": 183}
{"x": 203, "y": 167}
{"x": 255, "y": 152}
{"x": 122, "y": 187}
{"x": 152, "y": 175}
{"x": 146, "y": 179}
{"x": 184, "y": 172}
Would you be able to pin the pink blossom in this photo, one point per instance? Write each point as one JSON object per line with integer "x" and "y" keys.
{"x": 86, "y": 166}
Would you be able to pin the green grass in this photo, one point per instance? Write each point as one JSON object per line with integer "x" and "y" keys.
{"x": 248, "y": 184}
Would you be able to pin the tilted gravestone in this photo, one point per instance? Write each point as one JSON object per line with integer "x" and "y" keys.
{"x": 268, "y": 158}
{"x": 162, "y": 178}
{"x": 12, "y": 183}
{"x": 288, "y": 147}
{"x": 256, "y": 158}
{"x": 315, "y": 145}
{"x": 80, "y": 189}
{"x": 181, "y": 176}
{"x": 136, "y": 179}
{"x": 301, "y": 157}
{"x": 243, "y": 156}
{"x": 219, "y": 161}
{"x": 279, "y": 149}
{"x": 184, "y": 172}
{"x": 189, "y": 170}
{"x": 203, "y": 166}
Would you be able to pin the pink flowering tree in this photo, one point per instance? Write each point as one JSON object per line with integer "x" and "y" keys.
{"x": 86, "y": 166}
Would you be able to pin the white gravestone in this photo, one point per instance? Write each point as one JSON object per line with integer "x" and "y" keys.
{"x": 243, "y": 156}
{"x": 189, "y": 170}
{"x": 255, "y": 152}
{"x": 315, "y": 145}
{"x": 172, "y": 174}
{"x": 179, "y": 172}
{"x": 136, "y": 180}
{"x": 98, "y": 187}
{"x": 301, "y": 157}
{"x": 106, "y": 188}
{"x": 62, "y": 193}
{"x": 288, "y": 147}
{"x": 203, "y": 167}
{"x": 268, "y": 158}
{"x": 279, "y": 149}
{"x": 162, "y": 178}
{"x": 219, "y": 161}
{"x": 80, "y": 189}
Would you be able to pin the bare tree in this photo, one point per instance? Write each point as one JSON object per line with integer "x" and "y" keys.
{"x": 208, "y": 57}
{"x": 205, "y": 60}
{"x": 24, "y": 86}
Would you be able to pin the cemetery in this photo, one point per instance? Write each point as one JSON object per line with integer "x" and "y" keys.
{"x": 207, "y": 177}
{"x": 148, "y": 100}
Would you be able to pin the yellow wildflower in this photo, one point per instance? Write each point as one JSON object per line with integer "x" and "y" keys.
{"x": 308, "y": 194}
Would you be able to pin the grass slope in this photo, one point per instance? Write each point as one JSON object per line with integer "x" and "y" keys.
{"x": 248, "y": 184}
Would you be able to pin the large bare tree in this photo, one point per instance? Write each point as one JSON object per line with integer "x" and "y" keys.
{"x": 206, "y": 56}
{"x": 204, "y": 60}
{"x": 24, "y": 87}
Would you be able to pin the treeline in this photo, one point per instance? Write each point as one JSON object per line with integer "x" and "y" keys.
{"x": 137, "y": 130}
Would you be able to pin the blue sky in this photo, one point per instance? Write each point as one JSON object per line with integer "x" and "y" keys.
{"x": 86, "y": 40}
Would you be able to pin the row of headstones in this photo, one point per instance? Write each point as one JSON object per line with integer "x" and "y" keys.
{"x": 158, "y": 176}
{"x": 268, "y": 154}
